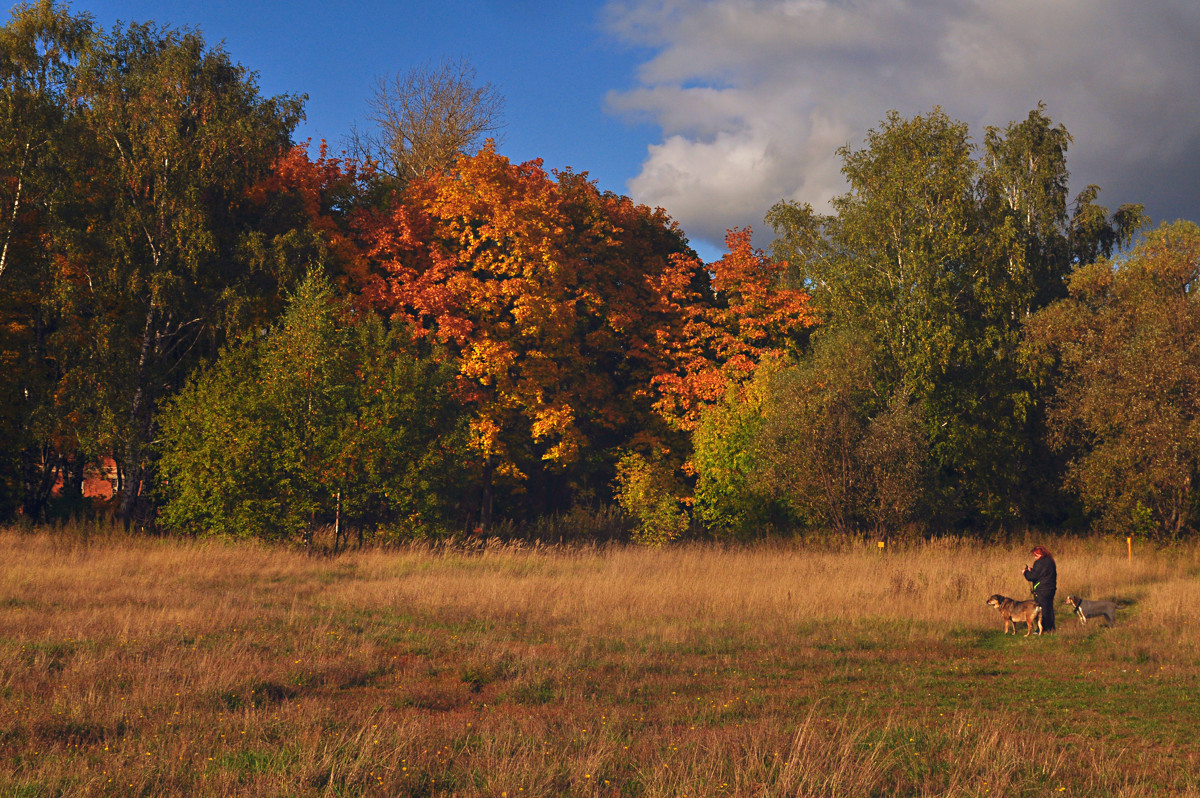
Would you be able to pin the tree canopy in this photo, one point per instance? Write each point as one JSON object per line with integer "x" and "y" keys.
{"x": 260, "y": 336}
{"x": 937, "y": 253}
{"x": 133, "y": 154}
{"x": 327, "y": 417}
{"x": 1124, "y": 352}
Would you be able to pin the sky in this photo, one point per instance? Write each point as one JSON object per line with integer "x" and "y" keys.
{"x": 717, "y": 109}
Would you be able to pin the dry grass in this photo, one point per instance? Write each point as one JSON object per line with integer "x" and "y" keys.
{"x": 155, "y": 667}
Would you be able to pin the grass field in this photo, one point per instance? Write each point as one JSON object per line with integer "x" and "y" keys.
{"x": 139, "y": 666}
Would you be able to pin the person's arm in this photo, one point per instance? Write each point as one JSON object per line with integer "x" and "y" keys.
{"x": 1039, "y": 570}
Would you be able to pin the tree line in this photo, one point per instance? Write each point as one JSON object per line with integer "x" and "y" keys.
{"x": 422, "y": 336}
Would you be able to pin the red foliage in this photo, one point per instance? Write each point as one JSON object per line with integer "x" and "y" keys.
{"x": 323, "y": 192}
{"x": 543, "y": 287}
{"x": 748, "y": 319}
{"x": 569, "y": 311}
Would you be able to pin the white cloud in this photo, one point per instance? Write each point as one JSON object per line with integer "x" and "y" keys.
{"x": 754, "y": 96}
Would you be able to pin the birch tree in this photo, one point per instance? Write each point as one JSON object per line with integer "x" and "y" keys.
{"x": 183, "y": 133}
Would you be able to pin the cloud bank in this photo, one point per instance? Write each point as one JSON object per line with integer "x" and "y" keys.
{"x": 754, "y": 97}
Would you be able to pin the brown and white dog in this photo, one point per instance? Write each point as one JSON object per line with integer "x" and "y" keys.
{"x": 1093, "y": 609}
{"x": 1014, "y": 612}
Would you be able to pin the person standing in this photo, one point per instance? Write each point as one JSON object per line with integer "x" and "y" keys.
{"x": 1043, "y": 579}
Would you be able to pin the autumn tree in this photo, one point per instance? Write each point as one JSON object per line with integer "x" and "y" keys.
{"x": 42, "y": 147}
{"x": 547, "y": 293}
{"x": 737, "y": 324}
{"x": 740, "y": 315}
{"x": 426, "y": 117}
{"x": 1123, "y": 352}
{"x": 298, "y": 218}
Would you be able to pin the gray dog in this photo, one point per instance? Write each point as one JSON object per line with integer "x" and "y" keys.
{"x": 1093, "y": 609}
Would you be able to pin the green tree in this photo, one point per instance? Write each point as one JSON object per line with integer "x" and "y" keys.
{"x": 1037, "y": 237}
{"x": 903, "y": 259}
{"x": 648, "y": 490}
{"x": 1023, "y": 191}
{"x": 938, "y": 256}
{"x": 728, "y": 496}
{"x": 401, "y": 458}
{"x": 1123, "y": 350}
{"x": 39, "y": 49}
{"x": 182, "y": 134}
{"x": 327, "y": 418}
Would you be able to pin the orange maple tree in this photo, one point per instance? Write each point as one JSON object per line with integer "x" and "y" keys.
{"x": 581, "y": 323}
{"x": 543, "y": 288}
{"x": 743, "y": 318}
{"x": 303, "y": 209}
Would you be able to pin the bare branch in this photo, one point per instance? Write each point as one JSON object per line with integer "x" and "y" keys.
{"x": 427, "y": 117}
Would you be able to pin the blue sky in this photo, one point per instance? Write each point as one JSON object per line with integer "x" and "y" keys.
{"x": 550, "y": 60}
{"x": 716, "y": 109}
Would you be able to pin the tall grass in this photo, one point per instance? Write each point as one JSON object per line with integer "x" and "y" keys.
{"x": 158, "y": 666}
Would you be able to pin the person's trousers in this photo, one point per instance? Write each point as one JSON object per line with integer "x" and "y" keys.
{"x": 1046, "y": 602}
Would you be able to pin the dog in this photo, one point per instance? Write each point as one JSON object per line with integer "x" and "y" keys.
{"x": 1093, "y": 609}
{"x": 1014, "y": 612}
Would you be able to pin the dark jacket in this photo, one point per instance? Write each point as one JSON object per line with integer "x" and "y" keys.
{"x": 1043, "y": 576}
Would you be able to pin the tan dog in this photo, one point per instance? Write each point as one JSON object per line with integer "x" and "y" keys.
{"x": 1014, "y": 612}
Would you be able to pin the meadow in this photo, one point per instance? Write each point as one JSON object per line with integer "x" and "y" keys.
{"x": 157, "y": 666}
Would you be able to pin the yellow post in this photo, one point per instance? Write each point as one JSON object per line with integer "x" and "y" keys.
{"x": 1129, "y": 544}
{"x": 881, "y": 547}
